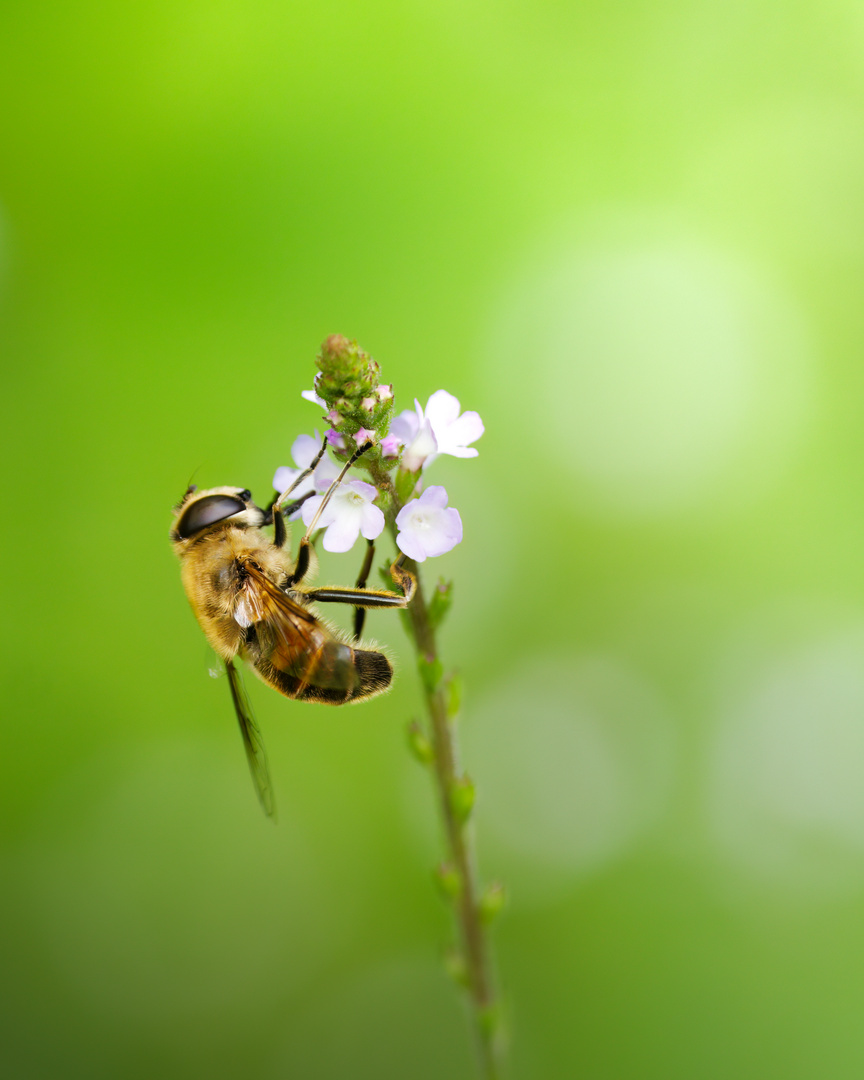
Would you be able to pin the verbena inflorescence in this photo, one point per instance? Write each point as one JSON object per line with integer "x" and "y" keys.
{"x": 359, "y": 410}
{"x": 395, "y": 451}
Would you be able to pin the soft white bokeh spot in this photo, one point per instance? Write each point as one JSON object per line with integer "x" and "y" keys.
{"x": 785, "y": 791}
{"x": 574, "y": 758}
{"x": 665, "y": 370}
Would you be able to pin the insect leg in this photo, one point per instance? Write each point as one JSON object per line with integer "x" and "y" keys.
{"x": 362, "y": 577}
{"x": 278, "y": 504}
{"x": 359, "y": 452}
{"x": 302, "y": 565}
{"x": 280, "y": 533}
{"x": 252, "y": 742}
{"x": 371, "y": 598}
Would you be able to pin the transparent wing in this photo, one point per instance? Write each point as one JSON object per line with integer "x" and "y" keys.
{"x": 264, "y": 602}
{"x": 306, "y": 660}
{"x": 252, "y": 742}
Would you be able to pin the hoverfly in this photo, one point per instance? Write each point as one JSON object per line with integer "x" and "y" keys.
{"x": 247, "y": 594}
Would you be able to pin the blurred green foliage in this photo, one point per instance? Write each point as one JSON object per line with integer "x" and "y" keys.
{"x": 631, "y": 236}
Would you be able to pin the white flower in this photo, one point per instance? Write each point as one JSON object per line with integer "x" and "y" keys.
{"x": 348, "y": 513}
{"x": 439, "y": 424}
{"x": 453, "y": 432}
{"x": 304, "y": 451}
{"x": 427, "y": 527}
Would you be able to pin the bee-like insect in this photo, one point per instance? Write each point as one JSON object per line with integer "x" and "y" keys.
{"x": 246, "y": 593}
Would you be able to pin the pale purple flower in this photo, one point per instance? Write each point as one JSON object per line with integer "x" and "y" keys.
{"x": 348, "y": 513}
{"x": 310, "y": 395}
{"x": 364, "y": 435}
{"x": 336, "y": 440}
{"x": 368, "y": 403}
{"x": 439, "y": 424}
{"x": 414, "y": 432}
{"x": 427, "y": 527}
{"x": 453, "y": 432}
{"x": 421, "y": 448}
{"x": 404, "y": 427}
{"x": 304, "y": 451}
{"x": 333, "y": 416}
{"x": 385, "y": 393}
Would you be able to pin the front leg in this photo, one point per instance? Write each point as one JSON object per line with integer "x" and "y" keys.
{"x": 280, "y": 533}
{"x": 301, "y": 567}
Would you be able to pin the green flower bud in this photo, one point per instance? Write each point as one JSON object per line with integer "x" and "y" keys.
{"x": 492, "y": 902}
{"x": 347, "y": 372}
{"x": 430, "y": 672}
{"x": 456, "y": 968}
{"x": 419, "y": 745}
{"x": 448, "y": 880}
{"x": 453, "y": 688}
{"x": 492, "y": 1022}
{"x": 462, "y": 797}
{"x": 348, "y": 382}
{"x": 440, "y": 601}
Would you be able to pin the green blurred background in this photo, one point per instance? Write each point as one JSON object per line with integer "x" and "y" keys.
{"x": 632, "y": 237}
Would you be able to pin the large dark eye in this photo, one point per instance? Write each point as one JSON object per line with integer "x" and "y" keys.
{"x": 207, "y": 511}
{"x": 245, "y": 494}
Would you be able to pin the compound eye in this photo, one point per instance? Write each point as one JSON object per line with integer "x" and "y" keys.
{"x": 245, "y": 494}
{"x": 208, "y": 511}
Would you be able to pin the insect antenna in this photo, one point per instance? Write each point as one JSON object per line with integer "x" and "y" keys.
{"x": 190, "y": 490}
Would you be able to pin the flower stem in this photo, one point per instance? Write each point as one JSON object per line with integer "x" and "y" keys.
{"x": 460, "y": 842}
{"x": 458, "y": 834}
{"x": 349, "y": 384}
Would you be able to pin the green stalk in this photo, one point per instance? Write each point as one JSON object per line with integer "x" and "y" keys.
{"x": 460, "y": 843}
{"x": 349, "y": 381}
{"x": 451, "y": 785}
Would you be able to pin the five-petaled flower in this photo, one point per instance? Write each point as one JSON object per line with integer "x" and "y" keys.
{"x": 427, "y": 526}
{"x": 348, "y": 513}
{"x": 437, "y": 429}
